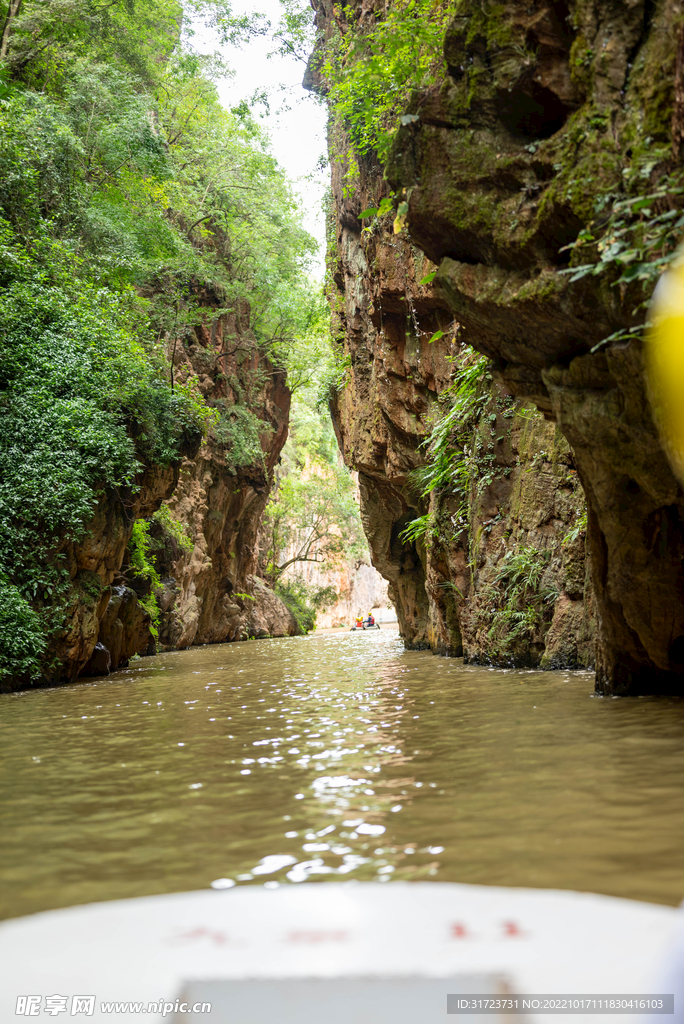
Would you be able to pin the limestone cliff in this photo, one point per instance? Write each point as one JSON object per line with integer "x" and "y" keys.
{"x": 96, "y": 600}
{"x": 523, "y": 497}
{"x": 507, "y": 160}
{"x": 548, "y": 114}
{"x": 204, "y": 549}
{"x": 211, "y": 593}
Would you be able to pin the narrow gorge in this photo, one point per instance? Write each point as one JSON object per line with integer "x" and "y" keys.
{"x": 506, "y": 190}
{"x": 341, "y": 507}
{"x": 157, "y": 315}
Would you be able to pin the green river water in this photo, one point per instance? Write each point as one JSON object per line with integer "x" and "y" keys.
{"x": 334, "y": 756}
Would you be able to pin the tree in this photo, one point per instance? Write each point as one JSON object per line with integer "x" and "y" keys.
{"x": 125, "y": 191}
{"x": 313, "y": 513}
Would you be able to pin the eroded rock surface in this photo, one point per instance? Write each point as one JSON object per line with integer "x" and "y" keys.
{"x": 216, "y": 496}
{"x": 542, "y": 116}
{"x": 525, "y": 494}
{"x": 211, "y": 593}
{"x": 99, "y": 609}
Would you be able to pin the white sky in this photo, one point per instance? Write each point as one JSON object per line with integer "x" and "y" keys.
{"x": 298, "y": 134}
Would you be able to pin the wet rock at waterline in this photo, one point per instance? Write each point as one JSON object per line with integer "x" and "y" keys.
{"x": 94, "y": 603}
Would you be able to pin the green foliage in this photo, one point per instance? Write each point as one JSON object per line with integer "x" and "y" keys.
{"x": 173, "y": 528}
{"x": 312, "y": 514}
{"x": 134, "y": 164}
{"x": 451, "y": 462}
{"x": 520, "y": 602}
{"x": 464, "y": 400}
{"x": 635, "y": 233}
{"x": 139, "y": 554}
{"x": 639, "y": 239}
{"x": 301, "y": 336}
{"x": 304, "y": 600}
{"x": 137, "y": 36}
{"x": 418, "y": 529}
{"x": 295, "y": 595}
{"x": 371, "y": 71}
{"x": 82, "y": 406}
{"x": 142, "y": 566}
{"x": 239, "y": 430}
{"x": 22, "y": 636}
{"x": 295, "y": 34}
{"x": 577, "y": 530}
{"x": 335, "y": 375}
{"x": 127, "y": 196}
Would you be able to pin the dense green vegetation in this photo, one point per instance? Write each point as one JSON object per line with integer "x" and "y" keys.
{"x": 454, "y": 462}
{"x": 521, "y": 604}
{"x": 370, "y": 64}
{"x": 372, "y": 71}
{"x": 518, "y": 595}
{"x": 312, "y": 517}
{"x": 125, "y": 189}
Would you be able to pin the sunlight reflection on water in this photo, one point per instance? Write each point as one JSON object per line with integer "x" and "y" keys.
{"x": 335, "y": 755}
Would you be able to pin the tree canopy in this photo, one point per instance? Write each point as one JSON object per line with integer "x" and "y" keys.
{"x": 123, "y": 182}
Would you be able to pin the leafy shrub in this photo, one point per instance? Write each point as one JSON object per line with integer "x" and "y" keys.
{"x": 521, "y": 603}
{"x": 296, "y": 596}
{"x": 238, "y": 430}
{"x": 22, "y": 637}
{"x": 634, "y": 239}
{"x": 142, "y": 567}
{"x": 82, "y": 406}
{"x": 371, "y": 72}
{"x": 451, "y": 464}
{"x": 174, "y": 528}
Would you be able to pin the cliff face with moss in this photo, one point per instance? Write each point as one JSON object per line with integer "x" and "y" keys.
{"x": 498, "y": 571}
{"x": 98, "y": 606}
{"x": 551, "y": 127}
{"x": 204, "y": 547}
{"x": 211, "y": 593}
{"x": 134, "y": 210}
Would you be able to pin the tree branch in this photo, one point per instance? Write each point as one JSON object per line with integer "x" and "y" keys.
{"x": 291, "y": 561}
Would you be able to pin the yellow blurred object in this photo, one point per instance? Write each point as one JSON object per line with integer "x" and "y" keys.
{"x": 665, "y": 364}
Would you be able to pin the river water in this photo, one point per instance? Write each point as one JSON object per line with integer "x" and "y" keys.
{"x": 330, "y": 757}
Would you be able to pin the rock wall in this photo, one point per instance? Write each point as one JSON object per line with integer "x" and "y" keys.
{"x": 211, "y": 593}
{"x": 358, "y": 586}
{"x": 104, "y": 623}
{"x": 362, "y": 589}
{"x": 215, "y": 496}
{"x": 525, "y": 492}
{"x": 548, "y": 112}
{"x": 541, "y": 119}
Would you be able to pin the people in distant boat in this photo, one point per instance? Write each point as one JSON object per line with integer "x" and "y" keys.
{"x": 358, "y": 622}
{"x": 370, "y": 621}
